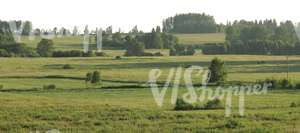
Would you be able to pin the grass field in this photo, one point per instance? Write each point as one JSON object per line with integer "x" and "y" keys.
{"x": 75, "y": 42}
{"x": 197, "y": 39}
{"x": 125, "y": 104}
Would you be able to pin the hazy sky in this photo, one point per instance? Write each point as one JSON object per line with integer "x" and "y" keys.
{"x": 144, "y": 13}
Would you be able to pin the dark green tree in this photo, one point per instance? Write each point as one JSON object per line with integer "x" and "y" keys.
{"x": 45, "y": 48}
{"x": 218, "y": 71}
{"x": 96, "y": 78}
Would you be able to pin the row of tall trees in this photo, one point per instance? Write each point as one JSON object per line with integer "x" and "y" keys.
{"x": 258, "y": 37}
{"x": 191, "y": 23}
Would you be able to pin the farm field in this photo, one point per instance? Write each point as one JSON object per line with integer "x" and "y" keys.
{"x": 75, "y": 42}
{"x": 117, "y": 107}
{"x": 197, "y": 39}
{"x": 124, "y": 101}
{"x": 30, "y": 71}
{"x": 134, "y": 110}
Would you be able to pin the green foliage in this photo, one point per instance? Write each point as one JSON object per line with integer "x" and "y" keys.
{"x": 218, "y": 73}
{"x": 232, "y": 124}
{"x": 280, "y": 84}
{"x": 182, "y": 105}
{"x": 263, "y": 37}
{"x": 285, "y": 84}
{"x": 49, "y": 87}
{"x": 100, "y": 54}
{"x": 181, "y": 50}
{"x": 157, "y": 40}
{"x": 89, "y": 54}
{"x": 4, "y": 53}
{"x": 118, "y": 57}
{"x": 297, "y": 86}
{"x": 134, "y": 47}
{"x": 1, "y": 87}
{"x": 17, "y": 50}
{"x": 88, "y": 77}
{"x": 96, "y": 78}
{"x": 45, "y": 48}
{"x": 72, "y": 53}
{"x": 27, "y": 28}
{"x": 190, "y": 23}
{"x": 293, "y": 105}
{"x": 213, "y": 104}
{"x": 67, "y": 66}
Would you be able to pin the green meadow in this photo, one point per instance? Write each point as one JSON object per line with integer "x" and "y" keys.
{"x": 124, "y": 103}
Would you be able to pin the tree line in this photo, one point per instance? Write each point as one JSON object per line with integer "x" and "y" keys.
{"x": 257, "y": 37}
{"x": 192, "y": 23}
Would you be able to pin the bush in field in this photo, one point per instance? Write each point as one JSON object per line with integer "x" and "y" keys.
{"x": 118, "y": 57}
{"x": 1, "y": 87}
{"x": 100, "y": 54}
{"x": 218, "y": 72}
{"x": 95, "y": 78}
{"x": 297, "y": 86}
{"x": 285, "y": 84}
{"x": 49, "y": 87}
{"x": 89, "y": 54}
{"x": 274, "y": 82}
{"x": 181, "y": 50}
{"x": 17, "y": 50}
{"x": 45, "y": 48}
{"x": 182, "y": 105}
{"x": 134, "y": 47}
{"x": 88, "y": 77}
{"x": 293, "y": 105}
{"x": 4, "y": 53}
{"x": 213, "y": 104}
{"x": 67, "y": 66}
{"x": 72, "y": 53}
{"x": 232, "y": 124}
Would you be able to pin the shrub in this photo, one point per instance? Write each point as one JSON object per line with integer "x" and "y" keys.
{"x": 67, "y": 66}
{"x": 72, "y": 53}
{"x": 4, "y": 53}
{"x": 285, "y": 84}
{"x": 297, "y": 86}
{"x": 274, "y": 82}
{"x": 213, "y": 104}
{"x": 49, "y": 87}
{"x": 95, "y": 78}
{"x": 180, "y": 50}
{"x": 293, "y": 105}
{"x": 218, "y": 72}
{"x": 118, "y": 57}
{"x": 100, "y": 54}
{"x": 1, "y": 87}
{"x": 45, "y": 48}
{"x": 182, "y": 105}
{"x": 158, "y": 54}
{"x": 89, "y": 54}
{"x": 232, "y": 124}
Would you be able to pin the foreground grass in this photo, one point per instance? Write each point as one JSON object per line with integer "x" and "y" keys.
{"x": 134, "y": 110}
{"x": 26, "y": 72}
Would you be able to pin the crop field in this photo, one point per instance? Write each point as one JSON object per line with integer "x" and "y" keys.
{"x": 124, "y": 102}
{"x": 75, "y": 42}
{"x": 195, "y": 39}
{"x": 117, "y": 107}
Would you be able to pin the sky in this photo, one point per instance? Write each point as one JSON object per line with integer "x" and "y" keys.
{"x": 146, "y": 14}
